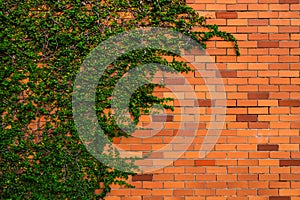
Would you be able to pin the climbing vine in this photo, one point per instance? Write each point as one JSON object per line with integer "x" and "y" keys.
{"x": 43, "y": 44}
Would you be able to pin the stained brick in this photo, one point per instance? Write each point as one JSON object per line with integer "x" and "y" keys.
{"x": 246, "y": 118}
{"x": 174, "y": 81}
{"x": 289, "y": 102}
{"x": 259, "y": 125}
{"x": 226, "y": 15}
{"x": 142, "y": 177}
{"x": 267, "y": 147}
{"x": 258, "y": 95}
{"x": 289, "y": 163}
{"x": 204, "y": 103}
{"x": 228, "y": 74}
{"x": 162, "y": 118}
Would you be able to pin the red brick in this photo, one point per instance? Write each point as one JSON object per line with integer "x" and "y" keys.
{"x": 258, "y": 95}
{"x": 162, "y": 118}
{"x": 246, "y": 118}
{"x": 289, "y": 102}
{"x": 142, "y": 177}
{"x": 267, "y": 147}
{"x": 226, "y": 15}
{"x": 204, "y": 103}
{"x": 269, "y": 44}
{"x": 205, "y": 163}
{"x": 289, "y": 163}
{"x": 258, "y": 125}
{"x": 228, "y": 74}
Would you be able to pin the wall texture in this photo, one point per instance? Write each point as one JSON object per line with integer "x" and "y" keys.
{"x": 257, "y": 154}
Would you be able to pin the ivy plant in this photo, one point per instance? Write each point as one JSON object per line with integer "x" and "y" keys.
{"x": 43, "y": 44}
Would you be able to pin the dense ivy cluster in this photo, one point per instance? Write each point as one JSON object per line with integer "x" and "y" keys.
{"x": 43, "y": 44}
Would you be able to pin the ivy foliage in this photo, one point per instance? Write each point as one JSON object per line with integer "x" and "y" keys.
{"x": 43, "y": 44}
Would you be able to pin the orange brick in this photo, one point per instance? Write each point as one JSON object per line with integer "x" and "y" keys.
{"x": 289, "y": 192}
{"x": 258, "y": 184}
{"x": 177, "y": 184}
{"x": 183, "y": 192}
{"x": 206, "y": 177}
{"x": 278, "y": 184}
{"x": 251, "y": 177}
{"x": 218, "y": 184}
{"x": 258, "y": 110}
{"x": 239, "y": 184}
{"x": 258, "y": 170}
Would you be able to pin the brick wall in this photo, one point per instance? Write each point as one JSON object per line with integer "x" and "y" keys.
{"x": 257, "y": 154}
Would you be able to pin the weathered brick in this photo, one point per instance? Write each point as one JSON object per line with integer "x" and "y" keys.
{"x": 289, "y": 163}
{"x": 228, "y": 74}
{"x": 174, "y": 81}
{"x": 246, "y": 118}
{"x": 162, "y": 118}
{"x": 289, "y": 102}
{"x": 226, "y": 15}
{"x": 142, "y": 177}
{"x": 204, "y": 103}
{"x": 259, "y": 125}
{"x": 258, "y": 95}
{"x": 267, "y": 147}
